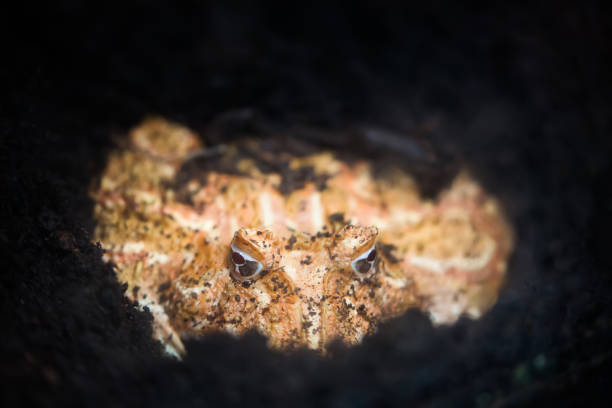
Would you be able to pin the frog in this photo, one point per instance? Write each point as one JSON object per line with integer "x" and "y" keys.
{"x": 306, "y": 249}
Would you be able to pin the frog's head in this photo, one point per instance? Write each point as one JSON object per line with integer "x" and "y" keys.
{"x": 310, "y": 276}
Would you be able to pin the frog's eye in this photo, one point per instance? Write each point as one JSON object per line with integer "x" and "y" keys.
{"x": 365, "y": 262}
{"x": 243, "y": 266}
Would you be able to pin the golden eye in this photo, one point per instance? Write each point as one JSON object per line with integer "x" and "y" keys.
{"x": 243, "y": 266}
{"x": 365, "y": 262}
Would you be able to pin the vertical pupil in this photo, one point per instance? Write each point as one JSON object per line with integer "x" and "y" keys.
{"x": 237, "y": 258}
{"x": 372, "y": 255}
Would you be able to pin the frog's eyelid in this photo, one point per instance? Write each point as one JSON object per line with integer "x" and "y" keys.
{"x": 244, "y": 254}
{"x": 365, "y": 253}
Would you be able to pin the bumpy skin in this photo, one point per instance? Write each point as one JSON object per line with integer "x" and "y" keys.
{"x": 171, "y": 242}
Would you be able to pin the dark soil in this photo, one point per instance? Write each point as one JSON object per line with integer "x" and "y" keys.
{"x": 519, "y": 94}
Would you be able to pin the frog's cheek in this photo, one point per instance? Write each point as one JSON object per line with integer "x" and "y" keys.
{"x": 350, "y": 310}
{"x": 279, "y": 312}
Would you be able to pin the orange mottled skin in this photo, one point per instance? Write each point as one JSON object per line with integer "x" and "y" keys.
{"x": 171, "y": 243}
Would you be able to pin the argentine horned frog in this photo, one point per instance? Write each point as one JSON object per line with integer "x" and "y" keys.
{"x": 314, "y": 250}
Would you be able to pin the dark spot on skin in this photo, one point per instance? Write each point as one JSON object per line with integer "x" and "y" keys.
{"x": 295, "y": 179}
{"x": 252, "y": 299}
{"x": 237, "y": 298}
{"x": 343, "y": 312}
{"x": 292, "y": 240}
{"x": 361, "y": 310}
{"x": 164, "y": 286}
{"x": 135, "y": 291}
{"x": 306, "y": 261}
{"x": 386, "y": 250}
{"x": 193, "y": 295}
{"x": 223, "y": 189}
{"x": 326, "y": 234}
{"x": 164, "y": 297}
{"x": 259, "y": 232}
{"x": 200, "y": 207}
{"x": 336, "y": 218}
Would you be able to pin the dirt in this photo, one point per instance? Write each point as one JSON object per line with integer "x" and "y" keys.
{"x": 519, "y": 95}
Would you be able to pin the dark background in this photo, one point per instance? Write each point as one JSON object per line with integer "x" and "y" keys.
{"x": 518, "y": 93}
